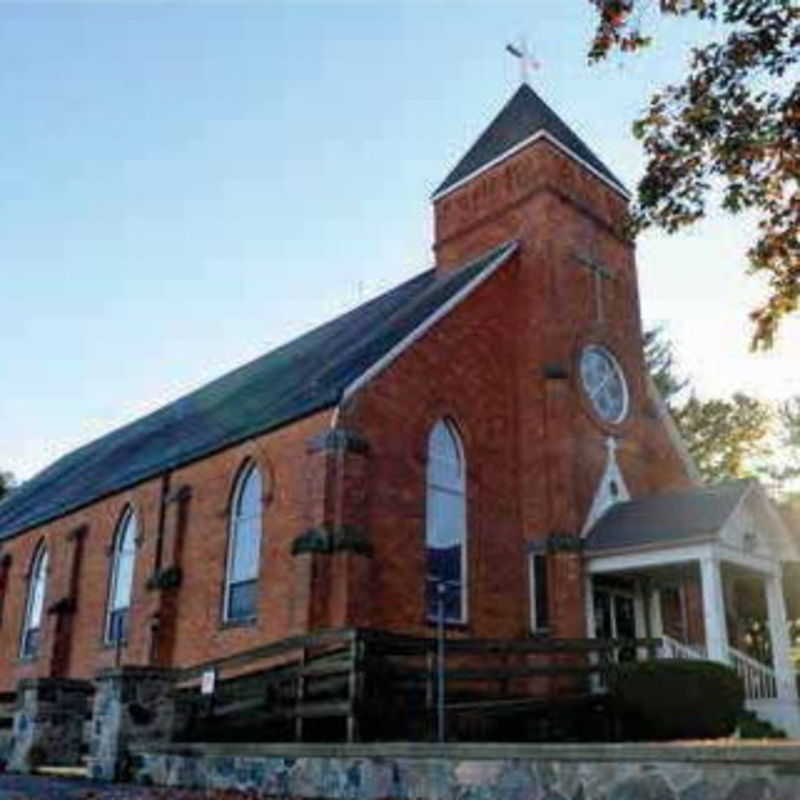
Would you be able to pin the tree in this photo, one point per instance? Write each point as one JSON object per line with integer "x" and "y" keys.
{"x": 659, "y": 358}
{"x": 744, "y": 437}
{"x": 783, "y": 472}
{"x": 732, "y": 126}
{"x": 7, "y": 483}
{"x": 727, "y": 438}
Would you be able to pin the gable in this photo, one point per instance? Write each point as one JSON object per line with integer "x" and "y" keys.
{"x": 755, "y": 528}
{"x": 524, "y": 118}
{"x": 668, "y": 519}
{"x": 611, "y": 488}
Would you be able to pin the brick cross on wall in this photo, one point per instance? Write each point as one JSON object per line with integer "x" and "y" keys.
{"x": 600, "y": 273}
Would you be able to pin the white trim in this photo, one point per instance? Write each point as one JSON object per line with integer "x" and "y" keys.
{"x": 120, "y": 534}
{"x": 603, "y": 496}
{"x": 779, "y": 634}
{"x": 638, "y": 560}
{"x": 246, "y": 470}
{"x": 38, "y": 572}
{"x": 639, "y": 615}
{"x": 533, "y": 618}
{"x": 385, "y": 360}
{"x": 789, "y": 542}
{"x": 651, "y": 547}
{"x": 762, "y": 564}
{"x": 714, "y": 621}
{"x": 620, "y": 375}
{"x": 540, "y": 134}
{"x": 461, "y": 492}
{"x": 595, "y": 680}
{"x": 656, "y": 618}
{"x": 768, "y": 564}
{"x": 588, "y": 601}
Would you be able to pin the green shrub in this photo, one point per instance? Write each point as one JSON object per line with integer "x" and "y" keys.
{"x": 753, "y": 727}
{"x": 660, "y": 700}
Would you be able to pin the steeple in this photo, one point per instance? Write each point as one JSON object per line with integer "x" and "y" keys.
{"x": 523, "y": 118}
{"x": 489, "y": 197}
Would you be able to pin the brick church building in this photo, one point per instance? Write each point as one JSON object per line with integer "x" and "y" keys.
{"x": 483, "y": 437}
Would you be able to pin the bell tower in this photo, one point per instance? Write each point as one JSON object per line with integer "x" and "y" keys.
{"x": 582, "y": 387}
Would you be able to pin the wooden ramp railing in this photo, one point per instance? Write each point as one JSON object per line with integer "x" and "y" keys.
{"x": 353, "y": 684}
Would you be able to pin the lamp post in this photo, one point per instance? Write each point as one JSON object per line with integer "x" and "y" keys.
{"x": 441, "y": 590}
{"x": 442, "y": 587}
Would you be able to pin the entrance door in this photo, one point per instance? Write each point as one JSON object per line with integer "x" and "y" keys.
{"x": 615, "y": 618}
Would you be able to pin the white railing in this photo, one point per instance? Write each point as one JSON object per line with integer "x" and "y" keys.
{"x": 760, "y": 681}
{"x": 672, "y": 648}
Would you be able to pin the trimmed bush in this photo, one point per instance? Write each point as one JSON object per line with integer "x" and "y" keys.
{"x": 672, "y": 699}
{"x": 753, "y": 727}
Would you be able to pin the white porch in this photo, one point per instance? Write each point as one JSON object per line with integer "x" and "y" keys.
{"x": 770, "y": 688}
{"x": 689, "y": 591}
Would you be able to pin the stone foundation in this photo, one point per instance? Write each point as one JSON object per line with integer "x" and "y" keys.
{"x": 48, "y": 723}
{"x": 131, "y": 704}
{"x": 686, "y": 771}
{"x": 5, "y": 747}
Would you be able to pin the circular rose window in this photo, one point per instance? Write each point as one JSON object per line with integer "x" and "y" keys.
{"x": 604, "y": 383}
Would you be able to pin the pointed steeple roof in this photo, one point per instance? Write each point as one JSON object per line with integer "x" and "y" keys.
{"x": 522, "y": 118}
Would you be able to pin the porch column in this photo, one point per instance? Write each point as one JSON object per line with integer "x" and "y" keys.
{"x": 588, "y": 599}
{"x": 779, "y": 636}
{"x": 714, "y": 609}
{"x": 656, "y": 621}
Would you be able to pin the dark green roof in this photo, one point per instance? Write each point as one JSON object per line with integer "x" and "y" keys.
{"x": 299, "y": 378}
{"x": 524, "y": 115}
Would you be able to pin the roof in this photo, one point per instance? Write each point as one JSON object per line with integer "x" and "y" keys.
{"x": 297, "y": 379}
{"x": 668, "y": 518}
{"x": 522, "y": 117}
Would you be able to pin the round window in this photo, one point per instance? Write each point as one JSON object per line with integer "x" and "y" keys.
{"x": 604, "y": 383}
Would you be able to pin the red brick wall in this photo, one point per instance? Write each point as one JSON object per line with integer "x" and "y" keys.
{"x": 534, "y": 446}
{"x": 464, "y": 368}
{"x": 197, "y": 634}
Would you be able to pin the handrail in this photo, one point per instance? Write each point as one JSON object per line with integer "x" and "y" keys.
{"x": 281, "y": 647}
{"x": 760, "y": 681}
{"x": 419, "y": 643}
{"x": 534, "y": 645}
{"x": 672, "y": 648}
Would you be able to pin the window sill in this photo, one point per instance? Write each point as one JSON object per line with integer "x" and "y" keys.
{"x": 540, "y": 633}
{"x": 122, "y": 644}
{"x": 247, "y": 622}
{"x": 449, "y": 624}
{"x": 28, "y": 659}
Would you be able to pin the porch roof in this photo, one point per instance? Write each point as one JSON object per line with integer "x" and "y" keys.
{"x": 667, "y": 519}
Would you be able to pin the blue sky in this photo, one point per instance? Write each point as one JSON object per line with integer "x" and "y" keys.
{"x": 185, "y": 186}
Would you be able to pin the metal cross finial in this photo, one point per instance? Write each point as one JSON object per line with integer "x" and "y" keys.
{"x": 527, "y": 62}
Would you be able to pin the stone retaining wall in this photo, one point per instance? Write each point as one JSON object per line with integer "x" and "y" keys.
{"x": 696, "y": 771}
{"x": 5, "y": 746}
{"x": 48, "y": 723}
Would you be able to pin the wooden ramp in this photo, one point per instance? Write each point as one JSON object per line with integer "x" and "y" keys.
{"x": 368, "y": 685}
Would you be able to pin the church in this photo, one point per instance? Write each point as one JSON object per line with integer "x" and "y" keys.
{"x": 479, "y": 449}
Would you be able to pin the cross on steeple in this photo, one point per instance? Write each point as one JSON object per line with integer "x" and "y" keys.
{"x": 527, "y": 62}
{"x": 600, "y": 273}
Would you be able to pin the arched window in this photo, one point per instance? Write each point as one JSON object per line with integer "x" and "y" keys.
{"x": 446, "y": 524}
{"x": 37, "y": 587}
{"x": 244, "y": 546}
{"x": 119, "y": 598}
